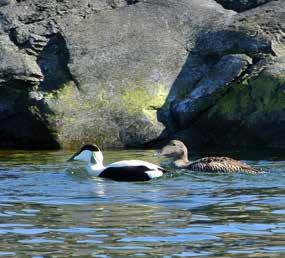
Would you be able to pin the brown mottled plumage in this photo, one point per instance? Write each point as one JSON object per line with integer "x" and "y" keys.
{"x": 178, "y": 150}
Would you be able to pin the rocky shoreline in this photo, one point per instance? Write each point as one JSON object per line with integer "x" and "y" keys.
{"x": 132, "y": 73}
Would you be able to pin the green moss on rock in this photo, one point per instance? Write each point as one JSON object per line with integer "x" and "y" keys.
{"x": 254, "y": 100}
{"x": 141, "y": 100}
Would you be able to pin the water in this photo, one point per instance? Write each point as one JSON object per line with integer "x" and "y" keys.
{"x": 50, "y": 208}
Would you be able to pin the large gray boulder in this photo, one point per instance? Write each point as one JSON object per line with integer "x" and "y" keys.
{"x": 107, "y": 66}
{"x": 124, "y": 63}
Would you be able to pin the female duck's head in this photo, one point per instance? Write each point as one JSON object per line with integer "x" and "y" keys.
{"x": 89, "y": 153}
{"x": 175, "y": 149}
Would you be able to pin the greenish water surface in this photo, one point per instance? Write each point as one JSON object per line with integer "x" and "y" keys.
{"x": 50, "y": 208}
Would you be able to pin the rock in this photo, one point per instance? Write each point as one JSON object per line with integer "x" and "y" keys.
{"x": 5, "y": 2}
{"x": 101, "y": 72}
{"x": 129, "y": 71}
{"x": 210, "y": 89}
{"x": 15, "y": 65}
{"x": 35, "y": 96}
{"x": 20, "y": 35}
{"x": 256, "y": 33}
{"x": 252, "y": 113}
{"x": 98, "y": 71}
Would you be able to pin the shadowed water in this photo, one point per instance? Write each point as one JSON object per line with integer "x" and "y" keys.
{"x": 50, "y": 208}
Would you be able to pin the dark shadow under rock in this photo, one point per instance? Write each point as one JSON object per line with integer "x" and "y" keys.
{"x": 21, "y": 122}
{"x": 241, "y": 5}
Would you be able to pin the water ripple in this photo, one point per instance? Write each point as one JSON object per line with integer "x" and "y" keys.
{"x": 49, "y": 208}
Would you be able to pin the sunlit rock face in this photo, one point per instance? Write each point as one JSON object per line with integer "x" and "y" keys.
{"x": 106, "y": 71}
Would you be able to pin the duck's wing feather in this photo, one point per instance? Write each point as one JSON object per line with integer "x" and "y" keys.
{"x": 221, "y": 164}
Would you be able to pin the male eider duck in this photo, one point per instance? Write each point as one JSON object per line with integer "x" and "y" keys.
{"x": 176, "y": 149}
{"x": 126, "y": 170}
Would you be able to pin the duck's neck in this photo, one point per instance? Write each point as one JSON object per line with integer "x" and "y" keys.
{"x": 95, "y": 166}
{"x": 95, "y": 170}
{"x": 183, "y": 160}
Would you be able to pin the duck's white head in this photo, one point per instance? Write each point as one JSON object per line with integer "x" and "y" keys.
{"x": 89, "y": 153}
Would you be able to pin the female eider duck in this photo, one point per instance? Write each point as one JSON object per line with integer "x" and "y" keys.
{"x": 176, "y": 149}
{"x": 126, "y": 170}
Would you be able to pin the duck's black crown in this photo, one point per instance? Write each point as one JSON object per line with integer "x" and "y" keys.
{"x": 90, "y": 147}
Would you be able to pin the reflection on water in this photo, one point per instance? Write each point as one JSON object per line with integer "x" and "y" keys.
{"x": 49, "y": 208}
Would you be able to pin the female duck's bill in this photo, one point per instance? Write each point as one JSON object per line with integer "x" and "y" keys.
{"x": 126, "y": 170}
